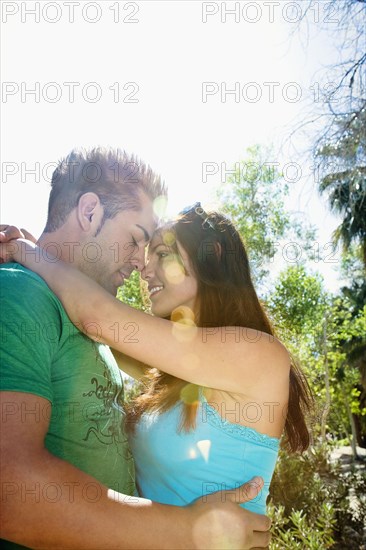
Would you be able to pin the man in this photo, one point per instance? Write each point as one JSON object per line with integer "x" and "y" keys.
{"x": 67, "y": 472}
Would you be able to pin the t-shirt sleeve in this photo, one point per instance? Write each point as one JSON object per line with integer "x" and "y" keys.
{"x": 30, "y": 329}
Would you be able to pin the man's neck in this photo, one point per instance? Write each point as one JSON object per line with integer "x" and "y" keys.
{"x": 62, "y": 244}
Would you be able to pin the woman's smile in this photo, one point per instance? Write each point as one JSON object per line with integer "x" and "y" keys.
{"x": 155, "y": 290}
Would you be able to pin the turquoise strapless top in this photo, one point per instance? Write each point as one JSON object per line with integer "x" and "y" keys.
{"x": 177, "y": 467}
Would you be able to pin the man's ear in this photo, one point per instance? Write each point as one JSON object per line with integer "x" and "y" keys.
{"x": 89, "y": 212}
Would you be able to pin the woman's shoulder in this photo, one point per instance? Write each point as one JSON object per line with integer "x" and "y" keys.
{"x": 269, "y": 350}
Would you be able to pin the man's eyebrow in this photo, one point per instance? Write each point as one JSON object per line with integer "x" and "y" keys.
{"x": 146, "y": 234}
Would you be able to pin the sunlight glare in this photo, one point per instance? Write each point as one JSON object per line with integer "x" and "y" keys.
{"x": 204, "y": 446}
{"x": 160, "y": 206}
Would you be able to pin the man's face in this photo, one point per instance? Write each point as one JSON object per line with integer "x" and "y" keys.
{"x": 119, "y": 247}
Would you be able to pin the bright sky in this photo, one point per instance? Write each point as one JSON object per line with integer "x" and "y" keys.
{"x": 150, "y": 77}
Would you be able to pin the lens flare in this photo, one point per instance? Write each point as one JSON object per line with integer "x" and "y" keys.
{"x": 183, "y": 314}
{"x": 189, "y": 394}
{"x": 169, "y": 238}
{"x": 174, "y": 272}
{"x": 192, "y": 453}
{"x": 159, "y": 206}
{"x": 184, "y": 330}
{"x": 220, "y": 536}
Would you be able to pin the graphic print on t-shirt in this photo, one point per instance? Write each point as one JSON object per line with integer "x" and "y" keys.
{"x": 105, "y": 415}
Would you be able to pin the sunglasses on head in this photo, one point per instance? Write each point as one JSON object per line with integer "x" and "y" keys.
{"x": 197, "y": 209}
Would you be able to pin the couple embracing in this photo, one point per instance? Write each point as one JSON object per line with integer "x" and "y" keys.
{"x": 184, "y": 465}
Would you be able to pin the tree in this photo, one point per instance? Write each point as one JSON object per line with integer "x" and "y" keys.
{"x": 342, "y": 162}
{"x": 343, "y": 86}
{"x": 134, "y": 292}
{"x": 348, "y": 345}
{"x": 352, "y": 271}
{"x": 339, "y": 148}
{"x": 298, "y": 305}
{"x": 253, "y": 197}
{"x": 309, "y": 494}
{"x": 322, "y": 332}
{"x": 298, "y": 302}
{"x": 354, "y": 347}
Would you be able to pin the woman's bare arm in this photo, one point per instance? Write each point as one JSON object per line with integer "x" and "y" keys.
{"x": 130, "y": 366}
{"x": 225, "y": 358}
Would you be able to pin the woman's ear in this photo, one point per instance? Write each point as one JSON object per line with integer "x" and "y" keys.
{"x": 89, "y": 212}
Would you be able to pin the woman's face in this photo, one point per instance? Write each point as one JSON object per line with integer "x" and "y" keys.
{"x": 170, "y": 279}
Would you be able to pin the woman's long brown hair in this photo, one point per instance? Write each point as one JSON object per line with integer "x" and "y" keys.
{"x": 226, "y": 297}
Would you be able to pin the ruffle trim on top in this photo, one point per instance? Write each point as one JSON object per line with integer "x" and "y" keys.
{"x": 236, "y": 430}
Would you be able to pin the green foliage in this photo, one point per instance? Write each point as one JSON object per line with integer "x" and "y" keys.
{"x": 297, "y": 531}
{"x": 352, "y": 268}
{"x": 310, "y": 497}
{"x": 340, "y": 150}
{"x": 253, "y": 198}
{"x": 298, "y": 301}
{"x": 133, "y": 292}
{"x": 132, "y": 389}
{"x": 310, "y": 501}
{"x": 342, "y": 160}
{"x": 346, "y": 351}
{"x": 300, "y": 480}
{"x": 327, "y": 335}
{"x": 324, "y": 332}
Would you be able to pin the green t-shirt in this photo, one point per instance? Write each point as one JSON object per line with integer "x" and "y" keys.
{"x": 43, "y": 353}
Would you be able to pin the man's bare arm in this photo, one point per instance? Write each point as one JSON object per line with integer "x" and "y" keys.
{"x": 47, "y": 503}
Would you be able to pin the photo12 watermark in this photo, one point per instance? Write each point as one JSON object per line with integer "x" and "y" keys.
{"x": 269, "y": 12}
{"x": 69, "y": 92}
{"x": 38, "y": 332}
{"x": 243, "y": 413}
{"x": 54, "y": 491}
{"x": 270, "y": 92}
{"x": 91, "y": 172}
{"x": 90, "y": 13}
{"x": 250, "y": 171}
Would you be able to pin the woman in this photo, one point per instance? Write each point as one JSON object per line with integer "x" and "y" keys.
{"x": 222, "y": 389}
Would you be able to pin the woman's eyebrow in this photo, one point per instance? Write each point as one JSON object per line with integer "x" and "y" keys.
{"x": 153, "y": 248}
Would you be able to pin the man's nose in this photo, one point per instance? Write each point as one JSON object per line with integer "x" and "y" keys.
{"x": 138, "y": 258}
{"x": 147, "y": 272}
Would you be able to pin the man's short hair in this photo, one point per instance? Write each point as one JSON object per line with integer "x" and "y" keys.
{"x": 116, "y": 177}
